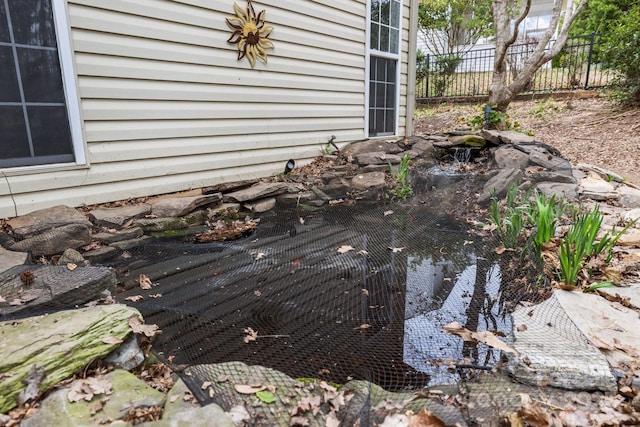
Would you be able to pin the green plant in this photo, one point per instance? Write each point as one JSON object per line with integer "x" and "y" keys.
{"x": 327, "y": 149}
{"x": 542, "y": 109}
{"x": 599, "y": 285}
{"x": 509, "y": 219}
{"x": 402, "y": 186}
{"x": 497, "y": 119}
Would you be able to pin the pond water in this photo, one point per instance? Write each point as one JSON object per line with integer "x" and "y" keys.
{"x": 340, "y": 293}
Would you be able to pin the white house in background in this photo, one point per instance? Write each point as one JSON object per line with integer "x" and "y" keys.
{"x": 107, "y": 100}
{"x": 480, "y": 58}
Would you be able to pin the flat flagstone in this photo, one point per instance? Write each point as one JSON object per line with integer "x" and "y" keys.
{"x": 10, "y": 259}
{"x": 179, "y": 206}
{"x": 553, "y": 351}
{"x": 118, "y": 216}
{"x": 45, "y": 219}
{"x": 258, "y": 191}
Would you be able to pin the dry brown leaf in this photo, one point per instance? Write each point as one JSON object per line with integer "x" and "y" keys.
{"x": 145, "y": 282}
{"x": 87, "y": 388}
{"x": 138, "y": 327}
{"x": 425, "y": 418}
{"x": 345, "y": 248}
{"x": 257, "y": 293}
{"x": 248, "y": 389}
{"x": 533, "y": 413}
{"x": 71, "y": 266}
{"x": 364, "y": 326}
{"x": 251, "y": 335}
{"x": 486, "y": 337}
{"x": 112, "y": 340}
{"x": 387, "y": 213}
{"x": 155, "y": 296}
{"x": 500, "y": 250}
{"x": 205, "y": 385}
{"x": 260, "y": 255}
{"x": 396, "y": 250}
{"x": 134, "y": 298}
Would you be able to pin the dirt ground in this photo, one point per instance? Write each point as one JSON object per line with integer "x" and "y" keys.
{"x": 589, "y": 129}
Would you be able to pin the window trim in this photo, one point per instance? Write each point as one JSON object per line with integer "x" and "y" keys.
{"x": 69, "y": 81}
{"x": 386, "y": 55}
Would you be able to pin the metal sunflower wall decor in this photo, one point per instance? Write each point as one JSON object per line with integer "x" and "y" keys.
{"x": 250, "y": 33}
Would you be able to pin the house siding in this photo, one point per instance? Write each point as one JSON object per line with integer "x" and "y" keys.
{"x": 167, "y": 107}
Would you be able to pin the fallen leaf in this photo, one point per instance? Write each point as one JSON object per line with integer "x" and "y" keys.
{"x": 32, "y": 380}
{"x": 260, "y": 255}
{"x": 257, "y": 293}
{"x": 87, "y": 388}
{"x": 364, "y": 326}
{"x": 387, "y": 213}
{"x": 134, "y": 298}
{"x": 533, "y": 413}
{"x": 299, "y": 421}
{"x": 205, "y": 385}
{"x": 71, "y": 266}
{"x": 140, "y": 328}
{"x": 265, "y": 396}
{"x": 248, "y": 389}
{"x": 365, "y": 292}
{"x": 145, "y": 282}
{"x": 335, "y": 202}
{"x": 155, "y": 296}
{"x": 251, "y": 335}
{"x": 301, "y": 220}
{"x": 395, "y": 250}
{"x": 500, "y": 250}
{"x": 363, "y": 252}
{"x": 521, "y": 328}
{"x": 345, "y": 248}
{"x": 485, "y": 337}
{"x": 112, "y": 340}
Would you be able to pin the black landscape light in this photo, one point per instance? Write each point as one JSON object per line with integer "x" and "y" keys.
{"x": 289, "y": 166}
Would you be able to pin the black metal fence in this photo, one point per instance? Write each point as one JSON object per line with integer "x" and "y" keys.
{"x": 577, "y": 66}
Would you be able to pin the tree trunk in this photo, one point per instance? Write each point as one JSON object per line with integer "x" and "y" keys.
{"x": 502, "y": 88}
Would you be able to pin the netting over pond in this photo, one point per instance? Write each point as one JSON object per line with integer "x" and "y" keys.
{"x": 346, "y": 292}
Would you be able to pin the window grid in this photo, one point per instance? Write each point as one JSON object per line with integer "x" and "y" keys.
{"x": 34, "y": 128}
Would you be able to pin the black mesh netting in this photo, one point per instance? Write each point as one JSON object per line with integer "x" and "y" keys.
{"x": 342, "y": 293}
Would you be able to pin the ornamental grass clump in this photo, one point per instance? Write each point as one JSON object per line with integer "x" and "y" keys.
{"x": 509, "y": 219}
{"x": 402, "y": 187}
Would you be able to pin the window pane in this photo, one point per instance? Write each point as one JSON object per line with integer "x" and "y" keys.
{"x": 379, "y": 121}
{"x": 41, "y": 77}
{"x": 375, "y": 37}
{"x": 384, "y": 39}
{"x": 391, "y": 96}
{"x": 391, "y": 71}
{"x": 50, "y": 131}
{"x": 394, "y": 20}
{"x": 9, "y": 91}
{"x": 375, "y": 11}
{"x": 393, "y": 42}
{"x": 4, "y": 26}
{"x": 389, "y": 125}
{"x": 385, "y": 11}
{"x": 33, "y": 22}
{"x": 381, "y": 67}
{"x": 13, "y": 133}
{"x": 380, "y": 94}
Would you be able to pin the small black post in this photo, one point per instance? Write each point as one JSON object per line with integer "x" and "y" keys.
{"x": 487, "y": 116}
{"x": 593, "y": 37}
{"x": 427, "y": 61}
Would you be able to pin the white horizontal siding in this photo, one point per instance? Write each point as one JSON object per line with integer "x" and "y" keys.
{"x": 167, "y": 106}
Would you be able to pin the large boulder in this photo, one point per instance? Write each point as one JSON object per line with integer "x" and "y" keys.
{"x": 58, "y": 344}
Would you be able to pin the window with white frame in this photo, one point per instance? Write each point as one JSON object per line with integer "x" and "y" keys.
{"x": 384, "y": 48}
{"x": 39, "y": 121}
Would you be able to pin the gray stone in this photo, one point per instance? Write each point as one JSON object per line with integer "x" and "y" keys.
{"x": 604, "y": 173}
{"x": 10, "y": 259}
{"x": 321, "y": 194}
{"x": 630, "y": 197}
{"x": 226, "y": 187}
{"x": 630, "y": 238}
{"x": 468, "y": 141}
{"x": 499, "y": 184}
{"x": 116, "y": 217}
{"x": 71, "y": 256}
{"x": 129, "y": 393}
{"x": 100, "y": 254}
{"x": 372, "y": 145}
{"x": 52, "y": 287}
{"x": 262, "y": 205}
{"x": 55, "y": 240}
{"x": 117, "y": 236}
{"x": 132, "y": 243}
{"x": 255, "y": 192}
{"x": 44, "y": 219}
{"x": 289, "y": 199}
{"x": 374, "y": 168}
{"x": 162, "y": 224}
{"x": 507, "y": 156}
{"x": 568, "y": 191}
{"x": 377, "y": 158}
{"x": 180, "y": 206}
{"x": 549, "y": 161}
{"x": 61, "y": 343}
{"x": 506, "y": 136}
{"x": 549, "y": 176}
{"x": 128, "y": 356}
{"x": 368, "y": 180}
{"x": 552, "y": 351}
{"x": 422, "y": 147}
{"x": 596, "y": 188}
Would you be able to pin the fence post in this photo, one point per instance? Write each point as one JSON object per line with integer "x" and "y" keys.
{"x": 589, "y": 58}
{"x": 427, "y": 61}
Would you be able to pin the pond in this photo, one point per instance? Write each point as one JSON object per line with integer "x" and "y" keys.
{"x": 338, "y": 293}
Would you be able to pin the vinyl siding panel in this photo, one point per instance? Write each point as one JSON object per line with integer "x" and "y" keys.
{"x": 167, "y": 106}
